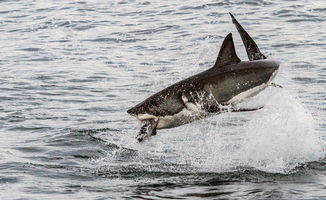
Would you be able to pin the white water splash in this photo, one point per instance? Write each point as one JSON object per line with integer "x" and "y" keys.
{"x": 281, "y": 136}
{"x": 275, "y": 139}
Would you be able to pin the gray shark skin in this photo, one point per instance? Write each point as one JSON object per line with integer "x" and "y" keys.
{"x": 213, "y": 91}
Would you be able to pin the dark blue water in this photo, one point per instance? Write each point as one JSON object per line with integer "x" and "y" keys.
{"x": 71, "y": 69}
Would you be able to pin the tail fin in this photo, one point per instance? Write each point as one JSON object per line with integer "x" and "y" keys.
{"x": 252, "y": 49}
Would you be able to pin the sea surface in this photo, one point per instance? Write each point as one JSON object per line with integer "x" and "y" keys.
{"x": 69, "y": 70}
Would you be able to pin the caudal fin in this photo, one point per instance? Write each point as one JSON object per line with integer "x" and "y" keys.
{"x": 252, "y": 49}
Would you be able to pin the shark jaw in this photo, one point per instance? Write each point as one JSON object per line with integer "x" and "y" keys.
{"x": 191, "y": 112}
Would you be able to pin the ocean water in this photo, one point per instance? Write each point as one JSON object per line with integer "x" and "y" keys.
{"x": 69, "y": 70}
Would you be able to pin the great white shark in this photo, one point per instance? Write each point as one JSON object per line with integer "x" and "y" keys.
{"x": 214, "y": 91}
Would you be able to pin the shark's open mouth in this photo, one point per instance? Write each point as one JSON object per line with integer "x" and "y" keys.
{"x": 148, "y": 128}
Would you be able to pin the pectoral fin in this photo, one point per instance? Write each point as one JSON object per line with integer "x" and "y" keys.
{"x": 236, "y": 109}
{"x": 246, "y": 109}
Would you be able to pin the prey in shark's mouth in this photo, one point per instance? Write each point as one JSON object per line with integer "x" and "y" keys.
{"x": 227, "y": 83}
{"x": 148, "y": 128}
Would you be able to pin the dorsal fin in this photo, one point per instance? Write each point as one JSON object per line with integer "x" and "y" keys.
{"x": 252, "y": 49}
{"x": 227, "y": 53}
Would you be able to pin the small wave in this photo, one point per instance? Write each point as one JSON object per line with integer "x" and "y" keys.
{"x": 319, "y": 9}
{"x": 155, "y": 30}
{"x": 41, "y": 59}
{"x": 306, "y": 19}
{"x": 115, "y": 40}
{"x": 9, "y": 179}
{"x": 31, "y": 49}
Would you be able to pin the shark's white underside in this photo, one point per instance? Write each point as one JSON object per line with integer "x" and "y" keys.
{"x": 194, "y": 111}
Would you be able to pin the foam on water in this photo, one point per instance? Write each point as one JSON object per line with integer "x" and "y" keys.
{"x": 275, "y": 139}
{"x": 281, "y": 136}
